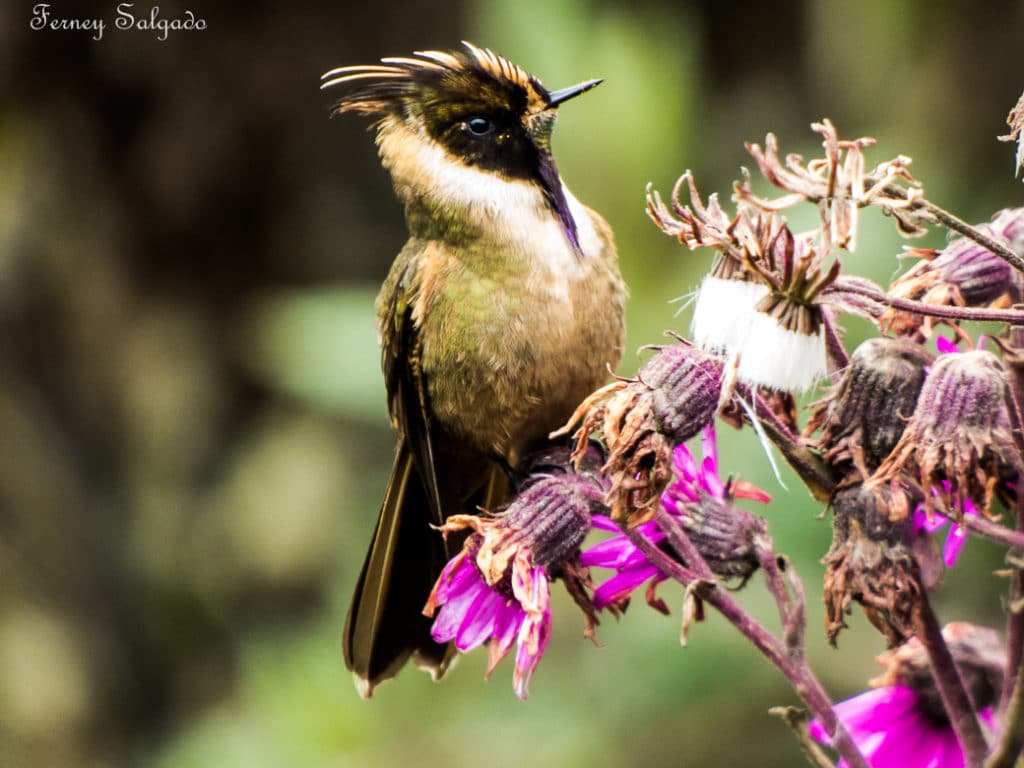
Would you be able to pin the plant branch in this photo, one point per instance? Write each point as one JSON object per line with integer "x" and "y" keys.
{"x": 1011, "y": 704}
{"x": 838, "y": 359}
{"x": 792, "y": 666}
{"x": 994, "y": 531}
{"x": 909, "y": 305}
{"x": 961, "y": 227}
{"x": 1011, "y": 740}
{"x": 796, "y": 719}
{"x": 811, "y": 468}
{"x": 947, "y": 679}
{"x": 769, "y": 563}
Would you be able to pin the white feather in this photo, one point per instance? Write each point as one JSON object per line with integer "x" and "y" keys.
{"x": 723, "y": 313}
{"x": 774, "y": 357}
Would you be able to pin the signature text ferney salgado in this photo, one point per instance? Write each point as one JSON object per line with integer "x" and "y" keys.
{"x": 125, "y": 18}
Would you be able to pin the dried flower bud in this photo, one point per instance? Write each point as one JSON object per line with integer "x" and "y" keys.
{"x": 724, "y": 535}
{"x": 866, "y": 412}
{"x": 496, "y": 588}
{"x": 702, "y": 504}
{"x": 640, "y": 421}
{"x": 1016, "y": 122}
{"x": 872, "y": 562}
{"x": 979, "y": 656}
{"x": 963, "y": 274}
{"x": 784, "y": 348}
{"x": 963, "y": 432}
{"x": 551, "y": 515}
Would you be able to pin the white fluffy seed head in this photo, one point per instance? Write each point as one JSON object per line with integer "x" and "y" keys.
{"x": 724, "y": 312}
{"x": 774, "y": 357}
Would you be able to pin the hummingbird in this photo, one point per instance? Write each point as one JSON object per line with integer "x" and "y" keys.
{"x": 503, "y": 310}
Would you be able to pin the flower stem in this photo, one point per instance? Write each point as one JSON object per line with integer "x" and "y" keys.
{"x": 792, "y": 665}
{"x": 1011, "y": 740}
{"x": 909, "y": 305}
{"x": 838, "y": 358}
{"x": 811, "y": 468}
{"x": 996, "y": 532}
{"x": 1011, "y": 703}
{"x": 931, "y": 211}
{"x": 796, "y": 719}
{"x": 948, "y": 220}
{"x": 947, "y": 680}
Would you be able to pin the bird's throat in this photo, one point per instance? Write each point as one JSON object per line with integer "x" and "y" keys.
{"x": 447, "y": 199}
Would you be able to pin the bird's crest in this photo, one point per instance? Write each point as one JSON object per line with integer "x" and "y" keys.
{"x": 477, "y": 75}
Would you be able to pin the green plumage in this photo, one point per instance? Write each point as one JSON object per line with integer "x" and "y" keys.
{"x": 501, "y": 313}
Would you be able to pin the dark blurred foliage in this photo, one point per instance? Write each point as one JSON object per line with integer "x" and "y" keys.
{"x": 192, "y": 438}
{"x": 154, "y": 191}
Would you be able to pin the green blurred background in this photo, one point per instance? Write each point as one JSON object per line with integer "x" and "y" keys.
{"x": 193, "y": 440}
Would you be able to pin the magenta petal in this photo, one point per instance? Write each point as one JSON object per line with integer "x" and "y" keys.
{"x": 623, "y": 583}
{"x": 478, "y": 621}
{"x": 608, "y": 554}
{"x": 945, "y": 346}
{"x": 947, "y": 752}
{"x": 671, "y": 502}
{"x": 862, "y": 714}
{"x": 891, "y": 732}
{"x": 710, "y": 481}
{"x": 684, "y": 463}
{"x": 527, "y": 661}
{"x": 458, "y": 576}
{"x": 680, "y": 492}
{"x": 954, "y": 543}
{"x": 453, "y": 612}
{"x": 507, "y": 623}
{"x": 449, "y": 619}
{"x": 818, "y": 732}
{"x": 709, "y": 447}
{"x": 604, "y": 523}
{"x": 969, "y": 507}
{"x": 909, "y": 742}
{"x": 922, "y": 523}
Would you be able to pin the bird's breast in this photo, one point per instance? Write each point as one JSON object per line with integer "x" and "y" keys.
{"x": 517, "y": 325}
{"x": 520, "y": 329}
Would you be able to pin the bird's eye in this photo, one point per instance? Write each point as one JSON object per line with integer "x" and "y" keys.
{"x": 479, "y": 126}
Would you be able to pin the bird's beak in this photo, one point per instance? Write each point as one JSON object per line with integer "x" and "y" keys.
{"x": 557, "y": 97}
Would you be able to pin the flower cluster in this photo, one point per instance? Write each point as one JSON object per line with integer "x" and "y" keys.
{"x": 701, "y": 503}
{"x": 964, "y": 274}
{"x": 912, "y": 436}
{"x": 497, "y": 588}
{"x": 640, "y": 420}
{"x": 759, "y": 303}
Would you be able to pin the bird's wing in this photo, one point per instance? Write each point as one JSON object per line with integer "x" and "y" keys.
{"x": 406, "y": 383}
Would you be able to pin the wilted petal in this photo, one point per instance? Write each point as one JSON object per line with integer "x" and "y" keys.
{"x": 533, "y": 640}
{"x": 507, "y": 623}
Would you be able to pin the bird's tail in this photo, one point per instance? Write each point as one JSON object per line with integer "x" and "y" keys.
{"x": 385, "y": 624}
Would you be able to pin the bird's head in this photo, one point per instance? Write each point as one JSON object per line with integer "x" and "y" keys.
{"x": 482, "y": 110}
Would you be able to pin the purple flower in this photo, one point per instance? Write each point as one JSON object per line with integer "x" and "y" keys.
{"x": 957, "y": 536}
{"x": 497, "y": 587}
{"x": 892, "y": 729}
{"x": 514, "y": 609}
{"x": 695, "y": 482}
